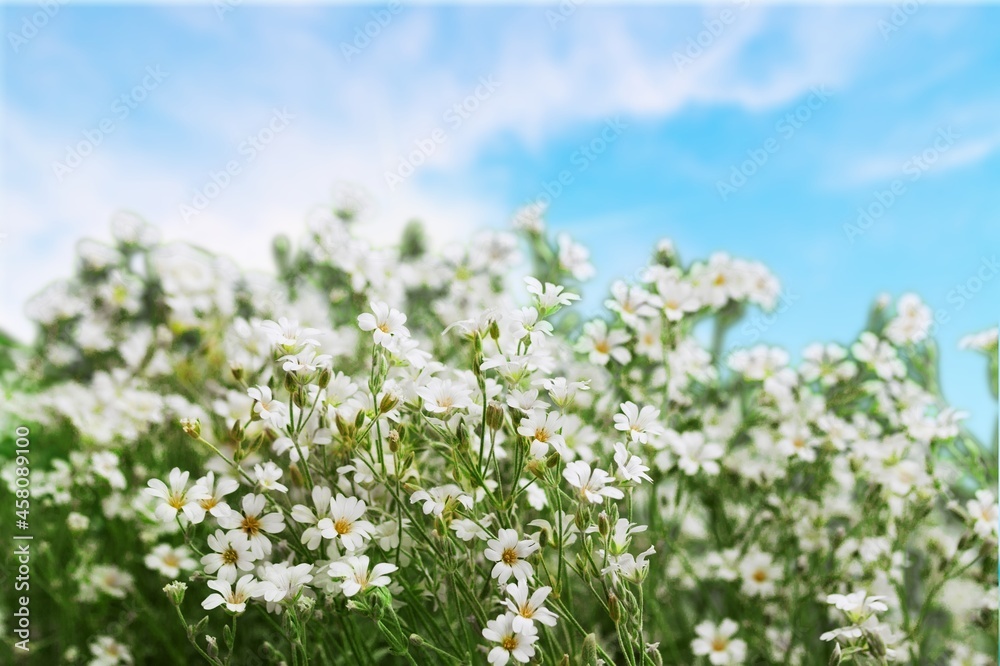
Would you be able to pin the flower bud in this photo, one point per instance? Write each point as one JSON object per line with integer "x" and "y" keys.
{"x": 300, "y": 398}
{"x": 602, "y": 524}
{"x": 564, "y": 661}
{"x": 343, "y": 427}
{"x": 237, "y": 371}
{"x": 359, "y": 420}
{"x": 543, "y": 537}
{"x": 875, "y": 643}
{"x": 236, "y": 433}
{"x": 494, "y": 415}
{"x": 653, "y": 650}
{"x": 291, "y": 382}
{"x": 211, "y": 646}
{"x": 325, "y": 375}
{"x": 191, "y": 427}
{"x": 553, "y": 459}
{"x": 175, "y": 592}
{"x": 614, "y": 609}
{"x": 388, "y": 402}
{"x": 416, "y": 639}
{"x": 536, "y": 469}
{"x": 836, "y": 656}
{"x": 590, "y": 650}
{"x": 494, "y": 330}
{"x": 393, "y": 439}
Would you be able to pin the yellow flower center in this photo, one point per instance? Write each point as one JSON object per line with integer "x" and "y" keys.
{"x": 342, "y": 526}
{"x": 509, "y": 556}
{"x": 509, "y": 643}
{"x": 251, "y": 525}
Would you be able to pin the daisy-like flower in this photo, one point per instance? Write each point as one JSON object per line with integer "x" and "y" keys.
{"x": 639, "y": 423}
{"x": 542, "y": 429}
{"x": 630, "y": 302}
{"x": 694, "y": 454}
{"x": 509, "y": 554}
{"x": 283, "y": 582}
{"x": 105, "y": 464}
{"x": 287, "y": 337}
{"x": 602, "y": 345}
{"x": 797, "y": 440}
{"x": 912, "y": 322}
{"x": 216, "y": 491}
{"x": 759, "y": 573}
{"x": 985, "y": 514}
{"x": 524, "y": 323}
{"x": 253, "y": 525}
{"x": 591, "y": 485}
{"x": 857, "y": 603}
{"x": 549, "y": 296}
{"x": 231, "y": 554}
{"x": 717, "y": 643}
{"x": 312, "y": 536}
{"x": 574, "y": 258}
{"x": 528, "y": 610}
{"x": 436, "y": 499}
{"x": 270, "y": 410}
{"x": 344, "y": 522}
{"x": 109, "y": 652}
{"x": 177, "y": 498}
{"x": 355, "y": 575}
{"x": 443, "y": 395}
{"x": 630, "y": 467}
{"x": 385, "y": 323}
{"x": 676, "y": 299}
{"x": 267, "y": 476}
{"x": 169, "y": 561}
{"x": 630, "y": 568}
{"x": 561, "y": 390}
{"x": 510, "y": 642}
{"x": 880, "y": 355}
{"x": 234, "y": 598}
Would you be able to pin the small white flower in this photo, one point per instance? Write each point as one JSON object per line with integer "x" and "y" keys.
{"x": 177, "y": 498}
{"x": 216, "y": 491}
{"x": 282, "y": 582}
{"x": 602, "y": 345}
{"x": 694, "y": 454}
{"x": 630, "y": 468}
{"x": 549, "y": 296}
{"x": 590, "y": 484}
{"x": 985, "y": 514}
{"x": 253, "y": 525}
{"x": 528, "y": 610}
{"x": 235, "y": 599}
{"x": 443, "y": 395}
{"x": 510, "y": 642}
{"x": 270, "y": 410}
{"x": 541, "y": 428}
{"x": 509, "y": 554}
{"x": 170, "y": 561}
{"x": 436, "y": 499}
{"x": 345, "y": 522}
{"x": 312, "y": 536}
{"x": 718, "y": 644}
{"x": 267, "y": 476}
{"x": 640, "y": 424}
{"x": 109, "y": 652}
{"x": 759, "y": 573}
{"x": 384, "y": 322}
{"x": 356, "y": 577}
{"x": 231, "y": 554}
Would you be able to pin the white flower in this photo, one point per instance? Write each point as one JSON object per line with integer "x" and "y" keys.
{"x": 267, "y": 476}
{"x": 384, "y": 322}
{"x": 105, "y": 464}
{"x": 640, "y": 424}
{"x": 591, "y": 485}
{"x": 109, "y": 652}
{"x": 542, "y": 429}
{"x": 630, "y": 302}
{"x": 436, "y": 499}
{"x": 857, "y": 603}
{"x": 231, "y": 554}
{"x": 443, "y": 395}
{"x": 677, "y": 298}
{"x": 759, "y": 573}
{"x": 574, "y": 258}
{"x": 550, "y": 296}
{"x": 236, "y": 598}
{"x": 985, "y": 514}
{"x": 287, "y": 337}
{"x": 283, "y": 582}
{"x": 694, "y": 454}
{"x": 561, "y": 390}
{"x": 912, "y": 322}
{"x": 169, "y": 561}
{"x": 601, "y": 345}
{"x": 345, "y": 522}
{"x": 528, "y": 610}
{"x": 510, "y": 643}
{"x": 252, "y": 524}
{"x": 630, "y": 467}
{"x": 879, "y": 354}
{"x": 312, "y": 535}
{"x": 177, "y": 498}
{"x": 270, "y": 410}
{"x": 214, "y": 503}
{"x": 718, "y": 644}
{"x": 797, "y": 440}
{"x": 356, "y": 577}
{"x": 509, "y": 555}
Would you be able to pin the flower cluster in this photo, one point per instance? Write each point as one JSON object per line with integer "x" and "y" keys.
{"x": 396, "y": 455}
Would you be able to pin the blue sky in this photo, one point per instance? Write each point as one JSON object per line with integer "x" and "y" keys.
{"x": 838, "y": 100}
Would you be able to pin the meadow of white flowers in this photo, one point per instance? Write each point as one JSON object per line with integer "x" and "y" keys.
{"x": 393, "y": 455}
